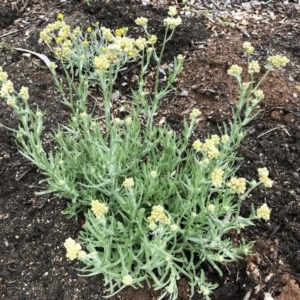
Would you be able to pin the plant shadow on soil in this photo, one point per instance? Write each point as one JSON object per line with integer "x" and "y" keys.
{"x": 33, "y": 229}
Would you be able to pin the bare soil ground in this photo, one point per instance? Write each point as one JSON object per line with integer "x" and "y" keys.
{"x": 33, "y": 228}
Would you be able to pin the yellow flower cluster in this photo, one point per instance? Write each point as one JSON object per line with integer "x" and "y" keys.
{"x": 197, "y": 145}
{"x": 238, "y": 185}
{"x": 209, "y": 147}
{"x": 152, "y": 226}
{"x": 180, "y": 57}
{"x": 264, "y": 212}
{"x": 11, "y": 101}
{"x": 60, "y": 32}
{"x": 7, "y": 89}
{"x": 64, "y": 50}
{"x": 215, "y": 139}
{"x": 121, "y": 31}
{"x": 116, "y": 46}
{"x": 123, "y": 44}
{"x": 107, "y": 34}
{"x": 101, "y": 62}
{"x": 195, "y": 113}
{"x": 172, "y": 23}
{"x": 224, "y": 138}
{"x": 246, "y": 85}
{"x": 24, "y": 94}
{"x": 158, "y": 215}
{"x": 73, "y": 249}
{"x": 217, "y": 177}
{"x": 277, "y": 61}
{"x": 64, "y": 32}
{"x": 253, "y": 67}
{"x": 119, "y": 46}
{"x": 140, "y": 43}
{"x": 128, "y": 183}
{"x": 172, "y": 11}
{"x": 263, "y": 174}
{"x": 62, "y": 37}
{"x": 249, "y": 49}
{"x": 235, "y": 70}
{"x": 99, "y": 209}
{"x": 259, "y": 94}
{"x": 3, "y": 75}
{"x": 141, "y": 21}
{"x": 152, "y": 39}
{"x": 127, "y": 280}
{"x": 60, "y": 16}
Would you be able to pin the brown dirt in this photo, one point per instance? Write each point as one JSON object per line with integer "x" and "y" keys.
{"x": 33, "y": 229}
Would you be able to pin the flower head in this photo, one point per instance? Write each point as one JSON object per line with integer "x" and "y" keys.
{"x": 127, "y": 280}
{"x": 180, "y": 57}
{"x": 3, "y": 75}
{"x": 52, "y": 66}
{"x": 128, "y": 183}
{"x": 225, "y": 138}
{"x": 11, "y": 101}
{"x": 197, "y": 145}
{"x": 152, "y": 226}
{"x": 99, "y": 209}
{"x": 7, "y": 89}
{"x": 60, "y": 16}
{"x": 172, "y": 22}
{"x": 141, "y": 21}
{"x": 235, "y": 70}
{"x": 263, "y": 174}
{"x": 140, "y": 43}
{"x": 209, "y": 147}
{"x": 217, "y": 177}
{"x": 158, "y": 215}
{"x": 238, "y": 185}
{"x": 249, "y": 49}
{"x": 259, "y": 94}
{"x": 172, "y": 11}
{"x": 253, "y": 67}
{"x": 107, "y": 34}
{"x": 152, "y": 39}
{"x": 277, "y": 61}
{"x": 121, "y": 31}
{"x": 81, "y": 254}
{"x": 195, "y": 113}
{"x": 215, "y": 139}
{"x": 24, "y": 93}
{"x": 264, "y": 212}
{"x": 101, "y": 62}
{"x": 72, "y": 248}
